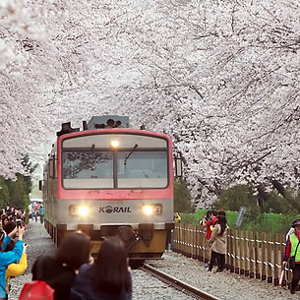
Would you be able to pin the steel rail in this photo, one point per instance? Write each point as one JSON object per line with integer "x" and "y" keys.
{"x": 178, "y": 284}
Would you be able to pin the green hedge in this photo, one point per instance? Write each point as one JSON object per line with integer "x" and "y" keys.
{"x": 252, "y": 221}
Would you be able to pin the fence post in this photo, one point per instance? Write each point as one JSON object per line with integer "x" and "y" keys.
{"x": 193, "y": 240}
{"x": 195, "y": 248}
{"x": 228, "y": 250}
{"x": 242, "y": 252}
{"x": 231, "y": 259}
{"x": 246, "y": 253}
{"x": 180, "y": 235}
{"x": 263, "y": 256}
{"x": 282, "y": 247}
{"x": 236, "y": 257}
{"x": 202, "y": 249}
{"x": 176, "y": 242}
{"x": 277, "y": 264}
{"x": 197, "y": 243}
{"x": 188, "y": 248}
{"x": 251, "y": 254}
{"x": 191, "y": 233}
{"x": 207, "y": 250}
{"x": 188, "y": 240}
{"x": 175, "y": 238}
{"x": 184, "y": 238}
{"x": 257, "y": 252}
{"x": 269, "y": 257}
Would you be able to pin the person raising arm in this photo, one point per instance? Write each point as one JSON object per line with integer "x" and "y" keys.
{"x": 7, "y": 258}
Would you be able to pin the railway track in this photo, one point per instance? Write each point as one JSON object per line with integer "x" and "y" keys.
{"x": 178, "y": 284}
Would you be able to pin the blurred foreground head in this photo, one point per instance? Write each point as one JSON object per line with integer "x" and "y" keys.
{"x": 111, "y": 274}
{"x": 74, "y": 250}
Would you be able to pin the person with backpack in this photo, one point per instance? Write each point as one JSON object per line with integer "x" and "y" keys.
{"x": 59, "y": 271}
{"x": 9, "y": 257}
{"x": 108, "y": 278}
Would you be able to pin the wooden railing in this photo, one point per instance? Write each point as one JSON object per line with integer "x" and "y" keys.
{"x": 252, "y": 254}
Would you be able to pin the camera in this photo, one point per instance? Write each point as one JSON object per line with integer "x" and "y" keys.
{"x": 19, "y": 223}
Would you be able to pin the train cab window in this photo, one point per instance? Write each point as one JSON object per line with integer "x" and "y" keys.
{"x": 87, "y": 169}
{"x": 143, "y": 169}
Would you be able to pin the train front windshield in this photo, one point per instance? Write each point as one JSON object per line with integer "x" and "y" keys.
{"x": 122, "y": 169}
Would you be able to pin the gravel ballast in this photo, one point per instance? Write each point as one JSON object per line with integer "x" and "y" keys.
{"x": 224, "y": 285}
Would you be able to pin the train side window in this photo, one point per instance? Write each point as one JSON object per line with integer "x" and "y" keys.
{"x": 40, "y": 185}
{"x": 52, "y": 167}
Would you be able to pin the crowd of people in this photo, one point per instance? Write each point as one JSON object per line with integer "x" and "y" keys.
{"x": 215, "y": 225}
{"x": 13, "y": 258}
{"x": 69, "y": 274}
{"x": 36, "y": 210}
{"x": 76, "y": 275}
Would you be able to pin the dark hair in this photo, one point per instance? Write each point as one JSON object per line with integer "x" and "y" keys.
{"x": 221, "y": 212}
{"x": 222, "y": 221}
{"x": 111, "y": 270}
{"x": 74, "y": 250}
{"x": 10, "y": 246}
{"x": 9, "y": 227}
{"x": 4, "y": 217}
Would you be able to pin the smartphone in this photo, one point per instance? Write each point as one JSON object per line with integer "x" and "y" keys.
{"x": 19, "y": 223}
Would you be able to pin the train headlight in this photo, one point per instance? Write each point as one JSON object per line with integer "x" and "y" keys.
{"x": 83, "y": 211}
{"x": 152, "y": 209}
{"x": 148, "y": 210}
{"x": 114, "y": 143}
{"x": 79, "y": 210}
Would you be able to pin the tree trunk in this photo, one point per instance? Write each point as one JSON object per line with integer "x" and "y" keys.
{"x": 279, "y": 187}
{"x": 262, "y": 195}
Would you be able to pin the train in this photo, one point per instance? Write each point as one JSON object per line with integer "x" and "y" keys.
{"x": 109, "y": 179}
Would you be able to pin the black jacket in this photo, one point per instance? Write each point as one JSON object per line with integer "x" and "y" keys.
{"x": 83, "y": 288}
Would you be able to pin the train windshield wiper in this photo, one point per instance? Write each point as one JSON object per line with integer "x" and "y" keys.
{"x": 125, "y": 160}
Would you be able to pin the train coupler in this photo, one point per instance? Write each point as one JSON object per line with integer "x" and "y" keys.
{"x": 128, "y": 236}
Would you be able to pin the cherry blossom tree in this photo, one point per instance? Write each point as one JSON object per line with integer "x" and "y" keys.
{"x": 220, "y": 77}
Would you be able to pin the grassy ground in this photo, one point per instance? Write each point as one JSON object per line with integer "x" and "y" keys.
{"x": 275, "y": 223}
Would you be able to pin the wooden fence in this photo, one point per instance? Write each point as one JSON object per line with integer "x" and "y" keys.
{"x": 252, "y": 254}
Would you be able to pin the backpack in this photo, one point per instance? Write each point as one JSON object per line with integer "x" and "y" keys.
{"x": 37, "y": 290}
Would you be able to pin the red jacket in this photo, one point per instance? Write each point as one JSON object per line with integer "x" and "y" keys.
{"x": 212, "y": 221}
